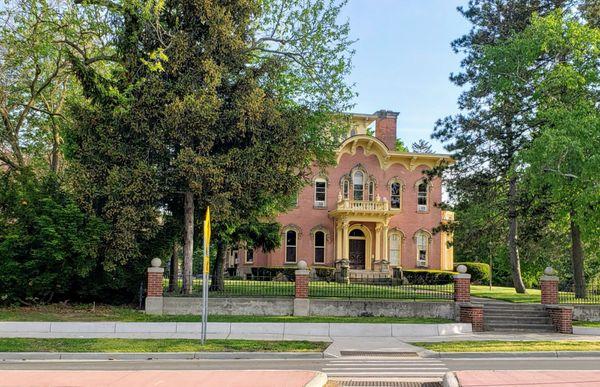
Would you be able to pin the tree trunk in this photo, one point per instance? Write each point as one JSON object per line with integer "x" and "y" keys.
{"x": 174, "y": 269}
{"x": 513, "y": 249}
{"x": 188, "y": 242}
{"x": 218, "y": 282}
{"x": 577, "y": 257}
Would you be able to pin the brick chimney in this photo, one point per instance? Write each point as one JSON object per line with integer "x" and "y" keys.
{"x": 385, "y": 127}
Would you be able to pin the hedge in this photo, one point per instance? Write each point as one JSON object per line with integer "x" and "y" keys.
{"x": 426, "y": 277}
{"x": 268, "y": 273}
{"x": 480, "y": 272}
{"x": 325, "y": 273}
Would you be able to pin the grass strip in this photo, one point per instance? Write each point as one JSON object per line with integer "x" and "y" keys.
{"x": 511, "y": 346}
{"x": 155, "y": 345}
{"x": 88, "y": 312}
{"x": 588, "y": 324}
{"x": 506, "y": 294}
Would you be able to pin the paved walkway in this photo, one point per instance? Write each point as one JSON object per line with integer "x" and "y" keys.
{"x": 163, "y": 378}
{"x": 528, "y": 378}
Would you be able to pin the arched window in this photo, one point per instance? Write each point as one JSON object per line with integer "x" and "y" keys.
{"x": 319, "y": 247}
{"x": 357, "y": 233}
{"x": 395, "y": 244}
{"x": 358, "y": 181}
{"x": 353, "y": 132}
{"x": 395, "y": 194}
{"x": 371, "y": 191}
{"x": 346, "y": 189}
{"x": 291, "y": 238}
{"x": 422, "y": 242}
{"x": 320, "y": 193}
{"x": 422, "y": 197}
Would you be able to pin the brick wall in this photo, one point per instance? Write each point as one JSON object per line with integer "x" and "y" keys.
{"x": 462, "y": 288}
{"x": 562, "y": 318}
{"x": 302, "y": 283}
{"x": 472, "y": 314}
{"x": 549, "y": 287}
{"x": 155, "y": 282}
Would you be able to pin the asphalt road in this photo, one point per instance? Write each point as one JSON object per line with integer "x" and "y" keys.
{"x": 452, "y": 364}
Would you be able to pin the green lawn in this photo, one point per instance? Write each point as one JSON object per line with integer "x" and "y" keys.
{"x": 155, "y": 345}
{"x": 511, "y": 346}
{"x": 323, "y": 289}
{"x": 506, "y": 294}
{"x": 86, "y": 312}
{"x": 589, "y": 324}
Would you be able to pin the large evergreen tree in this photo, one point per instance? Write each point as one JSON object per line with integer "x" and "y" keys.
{"x": 486, "y": 137}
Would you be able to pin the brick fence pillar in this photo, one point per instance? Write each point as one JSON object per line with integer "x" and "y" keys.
{"x": 154, "y": 293}
{"x": 301, "y": 301}
{"x": 462, "y": 285}
{"x": 473, "y": 314}
{"x": 561, "y": 317}
{"x": 549, "y": 287}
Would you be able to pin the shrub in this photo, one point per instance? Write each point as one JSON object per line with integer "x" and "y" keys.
{"x": 427, "y": 277}
{"x": 325, "y": 273}
{"x": 480, "y": 272}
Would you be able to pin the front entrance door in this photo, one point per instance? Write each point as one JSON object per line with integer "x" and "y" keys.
{"x": 357, "y": 254}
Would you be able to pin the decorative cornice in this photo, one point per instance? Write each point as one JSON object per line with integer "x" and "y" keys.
{"x": 373, "y": 146}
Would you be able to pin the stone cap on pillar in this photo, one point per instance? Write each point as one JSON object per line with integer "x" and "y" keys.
{"x": 302, "y": 268}
{"x": 549, "y": 275}
{"x": 565, "y": 307}
{"x": 462, "y": 272}
{"x": 155, "y": 266}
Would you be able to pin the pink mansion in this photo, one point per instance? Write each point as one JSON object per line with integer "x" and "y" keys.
{"x": 374, "y": 209}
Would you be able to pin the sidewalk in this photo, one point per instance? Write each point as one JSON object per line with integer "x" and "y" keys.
{"x": 178, "y": 378}
{"x": 216, "y": 330}
{"x": 528, "y": 378}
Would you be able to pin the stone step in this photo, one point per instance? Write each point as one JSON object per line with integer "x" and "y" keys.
{"x": 516, "y": 312}
{"x": 513, "y": 310}
{"x": 508, "y": 327}
{"x": 517, "y": 319}
{"x": 517, "y": 315}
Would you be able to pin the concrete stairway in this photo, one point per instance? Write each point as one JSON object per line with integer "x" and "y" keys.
{"x": 512, "y": 317}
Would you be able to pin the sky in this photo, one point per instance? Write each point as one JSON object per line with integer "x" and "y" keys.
{"x": 403, "y": 61}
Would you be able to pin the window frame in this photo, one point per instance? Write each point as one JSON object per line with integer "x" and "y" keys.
{"x": 426, "y": 237}
{"x": 399, "y": 195}
{"x": 362, "y": 185}
{"x": 346, "y": 189}
{"x": 249, "y": 261}
{"x": 422, "y": 195}
{"x": 398, "y": 249}
{"x": 316, "y": 203}
{"x": 371, "y": 190}
{"x": 317, "y": 247}
{"x": 288, "y": 246}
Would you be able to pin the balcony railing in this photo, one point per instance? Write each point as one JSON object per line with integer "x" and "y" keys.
{"x": 363, "y": 205}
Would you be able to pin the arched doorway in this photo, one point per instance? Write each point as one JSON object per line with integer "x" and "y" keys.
{"x": 357, "y": 249}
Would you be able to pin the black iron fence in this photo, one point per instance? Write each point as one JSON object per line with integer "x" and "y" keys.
{"x": 379, "y": 286}
{"x": 568, "y": 293}
{"x": 253, "y": 286}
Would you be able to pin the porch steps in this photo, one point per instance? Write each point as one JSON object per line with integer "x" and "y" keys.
{"x": 512, "y": 317}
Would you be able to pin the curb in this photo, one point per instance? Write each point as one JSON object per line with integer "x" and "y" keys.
{"x": 450, "y": 380}
{"x": 509, "y": 355}
{"x": 42, "y": 356}
{"x": 319, "y": 380}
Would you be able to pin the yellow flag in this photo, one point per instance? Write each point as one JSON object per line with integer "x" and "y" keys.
{"x": 207, "y": 241}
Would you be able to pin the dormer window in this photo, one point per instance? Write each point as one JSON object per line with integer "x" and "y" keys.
{"x": 358, "y": 181}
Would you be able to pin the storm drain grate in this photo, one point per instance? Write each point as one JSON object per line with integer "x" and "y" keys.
{"x": 378, "y": 354}
{"x": 386, "y": 383}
